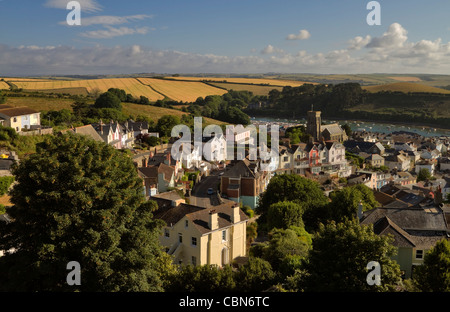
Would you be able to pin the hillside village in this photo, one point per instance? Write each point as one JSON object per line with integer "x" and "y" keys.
{"x": 208, "y": 207}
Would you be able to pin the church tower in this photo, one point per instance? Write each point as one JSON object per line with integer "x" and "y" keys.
{"x": 313, "y": 125}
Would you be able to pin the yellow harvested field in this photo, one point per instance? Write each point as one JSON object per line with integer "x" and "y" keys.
{"x": 185, "y": 91}
{"x": 130, "y": 85}
{"x": 25, "y": 79}
{"x": 405, "y": 87}
{"x": 271, "y": 82}
{"x": 4, "y": 85}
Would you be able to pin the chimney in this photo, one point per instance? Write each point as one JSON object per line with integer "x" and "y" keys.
{"x": 360, "y": 210}
{"x": 235, "y": 214}
{"x": 438, "y": 196}
{"x": 213, "y": 220}
{"x": 144, "y": 162}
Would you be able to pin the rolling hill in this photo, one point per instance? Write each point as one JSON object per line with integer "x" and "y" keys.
{"x": 405, "y": 87}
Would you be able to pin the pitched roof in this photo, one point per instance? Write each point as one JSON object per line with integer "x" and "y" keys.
{"x": 240, "y": 169}
{"x": 333, "y": 129}
{"x": 87, "y": 130}
{"x": 411, "y": 227}
{"x": 17, "y": 111}
{"x": 153, "y": 171}
{"x": 199, "y": 216}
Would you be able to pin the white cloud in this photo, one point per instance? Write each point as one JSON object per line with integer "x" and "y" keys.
{"x": 110, "y": 20}
{"x": 395, "y": 37}
{"x": 359, "y": 42}
{"x": 86, "y": 5}
{"x": 302, "y": 35}
{"x": 112, "y": 32}
{"x": 270, "y": 49}
{"x": 403, "y": 56}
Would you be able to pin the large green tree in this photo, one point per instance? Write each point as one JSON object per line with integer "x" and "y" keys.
{"x": 293, "y": 188}
{"x": 165, "y": 125}
{"x": 434, "y": 274}
{"x": 345, "y": 203}
{"x": 340, "y": 255}
{"x": 80, "y": 200}
{"x": 108, "y": 100}
{"x": 284, "y": 214}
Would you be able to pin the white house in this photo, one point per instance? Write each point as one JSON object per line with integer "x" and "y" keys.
{"x": 215, "y": 149}
{"x": 431, "y": 166}
{"x": 405, "y": 146}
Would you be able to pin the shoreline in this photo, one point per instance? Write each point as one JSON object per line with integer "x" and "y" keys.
{"x": 401, "y": 123}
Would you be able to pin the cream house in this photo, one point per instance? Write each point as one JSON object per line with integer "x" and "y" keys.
{"x": 20, "y": 118}
{"x": 199, "y": 236}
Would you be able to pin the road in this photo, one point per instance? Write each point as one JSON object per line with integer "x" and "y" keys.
{"x": 200, "y": 197}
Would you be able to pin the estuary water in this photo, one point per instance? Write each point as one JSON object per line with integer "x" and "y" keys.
{"x": 362, "y": 126}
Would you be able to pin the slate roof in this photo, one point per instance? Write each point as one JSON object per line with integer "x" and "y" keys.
{"x": 200, "y": 218}
{"x": 197, "y": 215}
{"x": 333, "y": 129}
{"x": 88, "y": 130}
{"x": 17, "y": 111}
{"x": 153, "y": 171}
{"x": 410, "y": 227}
{"x": 240, "y": 169}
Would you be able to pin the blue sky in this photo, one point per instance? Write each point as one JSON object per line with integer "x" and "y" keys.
{"x": 246, "y": 36}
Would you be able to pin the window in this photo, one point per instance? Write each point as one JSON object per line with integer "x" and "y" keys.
{"x": 194, "y": 241}
{"x": 166, "y": 233}
{"x": 286, "y": 158}
{"x": 186, "y": 223}
{"x": 224, "y": 235}
{"x": 180, "y": 237}
{"x": 15, "y": 119}
{"x": 194, "y": 260}
{"x": 419, "y": 254}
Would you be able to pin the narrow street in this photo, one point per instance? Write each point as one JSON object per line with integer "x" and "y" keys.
{"x": 200, "y": 196}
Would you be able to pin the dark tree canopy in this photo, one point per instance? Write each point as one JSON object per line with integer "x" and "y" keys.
{"x": 293, "y": 188}
{"x": 434, "y": 274}
{"x": 340, "y": 255}
{"x": 80, "y": 200}
{"x": 108, "y": 100}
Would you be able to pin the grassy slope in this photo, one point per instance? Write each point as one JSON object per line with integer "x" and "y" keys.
{"x": 406, "y": 87}
{"x": 46, "y": 104}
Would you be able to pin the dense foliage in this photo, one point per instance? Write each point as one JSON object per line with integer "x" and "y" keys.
{"x": 80, "y": 200}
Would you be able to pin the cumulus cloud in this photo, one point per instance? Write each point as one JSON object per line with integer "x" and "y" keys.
{"x": 359, "y": 42}
{"x": 395, "y": 37}
{"x": 270, "y": 49}
{"x": 86, "y": 5}
{"x": 112, "y": 32}
{"x": 302, "y": 35}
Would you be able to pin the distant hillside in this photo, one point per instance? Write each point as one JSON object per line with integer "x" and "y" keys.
{"x": 405, "y": 87}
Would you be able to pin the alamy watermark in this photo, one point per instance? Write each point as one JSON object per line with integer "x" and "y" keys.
{"x": 74, "y": 16}
{"x": 74, "y": 276}
{"x": 222, "y": 147}
{"x": 374, "y": 276}
{"x": 374, "y": 16}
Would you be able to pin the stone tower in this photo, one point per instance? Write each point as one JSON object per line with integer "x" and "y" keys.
{"x": 313, "y": 125}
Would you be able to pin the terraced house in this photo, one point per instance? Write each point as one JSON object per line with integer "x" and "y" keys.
{"x": 244, "y": 182}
